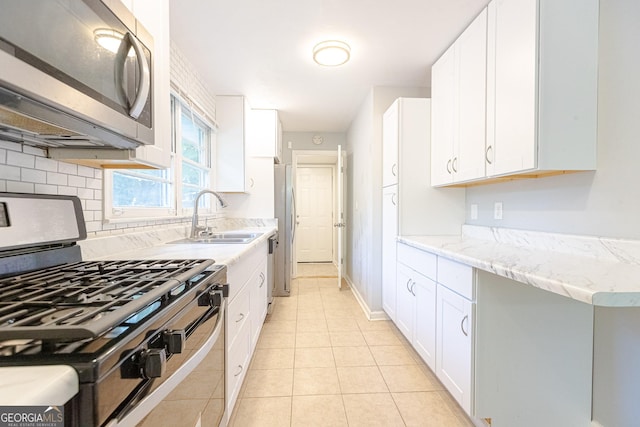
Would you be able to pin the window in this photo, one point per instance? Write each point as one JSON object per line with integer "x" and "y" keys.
{"x": 149, "y": 193}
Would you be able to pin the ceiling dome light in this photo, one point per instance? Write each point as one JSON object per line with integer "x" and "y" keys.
{"x": 331, "y": 53}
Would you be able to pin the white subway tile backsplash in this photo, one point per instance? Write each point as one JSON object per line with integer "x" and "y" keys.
{"x": 95, "y": 184}
{"x": 15, "y": 158}
{"x": 13, "y": 146}
{"x": 67, "y": 191}
{"x": 3, "y": 155}
{"x": 67, "y": 168}
{"x": 77, "y": 181}
{"x": 27, "y": 149}
{"x": 10, "y": 172}
{"x": 85, "y": 193}
{"x": 33, "y": 175}
{"x": 46, "y": 189}
{"x": 57, "y": 178}
{"x": 93, "y": 205}
{"x": 42, "y": 163}
{"x": 86, "y": 171}
{"x": 20, "y": 187}
{"x": 3, "y": 185}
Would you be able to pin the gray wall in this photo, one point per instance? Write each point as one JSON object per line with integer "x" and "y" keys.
{"x": 605, "y": 202}
{"x": 303, "y": 141}
{"x": 364, "y": 187}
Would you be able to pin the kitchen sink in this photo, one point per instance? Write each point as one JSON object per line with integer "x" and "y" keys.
{"x": 222, "y": 238}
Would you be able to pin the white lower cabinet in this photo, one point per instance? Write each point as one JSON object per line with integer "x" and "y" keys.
{"x": 435, "y": 311}
{"x": 424, "y": 335}
{"x": 246, "y": 311}
{"x": 454, "y": 345}
{"x": 259, "y": 302}
{"x": 405, "y": 301}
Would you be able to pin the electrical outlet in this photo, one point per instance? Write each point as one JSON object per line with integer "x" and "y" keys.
{"x": 474, "y": 211}
{"x": 289, "y": 145}
{"x": 497, "y": 210}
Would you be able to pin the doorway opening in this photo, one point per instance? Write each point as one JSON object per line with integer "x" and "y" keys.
{"x": 318, "y": 180}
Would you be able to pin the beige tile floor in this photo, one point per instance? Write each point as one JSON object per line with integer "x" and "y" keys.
{"x": 320, "y": 362}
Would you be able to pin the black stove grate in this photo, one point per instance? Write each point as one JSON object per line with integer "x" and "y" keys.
{"x": 87, "y": 299}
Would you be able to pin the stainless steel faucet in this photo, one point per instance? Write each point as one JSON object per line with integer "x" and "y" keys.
{"x": 197, "y": 230}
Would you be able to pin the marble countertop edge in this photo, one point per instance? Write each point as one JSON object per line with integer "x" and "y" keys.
{"x": 593, "y": 281}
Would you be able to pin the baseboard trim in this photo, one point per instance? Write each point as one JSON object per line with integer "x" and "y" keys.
{"x": 371, "y": 315}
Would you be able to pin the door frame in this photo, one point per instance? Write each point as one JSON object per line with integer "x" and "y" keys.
{"x": 320, "y": 158}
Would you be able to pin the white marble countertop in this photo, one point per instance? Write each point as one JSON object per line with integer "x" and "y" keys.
{"x": 227, "y": 254}
{"x": 50, "y": 385}
{"x": 597, "y": 271}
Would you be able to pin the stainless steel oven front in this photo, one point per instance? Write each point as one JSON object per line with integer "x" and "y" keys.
{"x": 192, "y": 392}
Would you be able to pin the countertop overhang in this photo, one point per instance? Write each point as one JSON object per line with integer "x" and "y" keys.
{"x": 598, "y": 271}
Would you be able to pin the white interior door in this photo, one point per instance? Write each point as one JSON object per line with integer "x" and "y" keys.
{"x": 314, "y": 214}
{"x": 340, "y": 223}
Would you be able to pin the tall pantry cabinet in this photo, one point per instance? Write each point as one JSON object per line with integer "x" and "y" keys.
{"x": 409, "y": 205}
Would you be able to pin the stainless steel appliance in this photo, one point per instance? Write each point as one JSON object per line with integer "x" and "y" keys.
{"x": 139, "y": 333}
{"x": 75, "y": 73}
{"x": 285, "y": 207}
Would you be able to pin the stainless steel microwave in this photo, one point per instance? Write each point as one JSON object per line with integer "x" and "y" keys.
{"x": 75, "y": 73}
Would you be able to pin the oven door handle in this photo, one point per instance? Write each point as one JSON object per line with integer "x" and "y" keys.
{"x": 142, "y": 408}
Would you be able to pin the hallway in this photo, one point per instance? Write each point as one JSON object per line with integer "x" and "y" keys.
{"x": 320, "y": 362}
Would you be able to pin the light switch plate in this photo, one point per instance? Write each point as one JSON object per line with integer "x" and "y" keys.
{"x": 474, "y": 211}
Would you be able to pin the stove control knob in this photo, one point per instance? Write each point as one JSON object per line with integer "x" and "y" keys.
{"x": 173, "y": 340}
{"x": 153, "y": 362}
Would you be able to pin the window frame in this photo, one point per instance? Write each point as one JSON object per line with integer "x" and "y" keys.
{"x": 176, "y": 211}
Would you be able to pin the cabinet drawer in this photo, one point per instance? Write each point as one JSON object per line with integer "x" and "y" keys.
{"x": 238, "y": 358}
{"x": 238, "y": 313}
{"x": 240, "y": 273}
{"x": 457, "y": 277}
{"x": 420, "y": 261}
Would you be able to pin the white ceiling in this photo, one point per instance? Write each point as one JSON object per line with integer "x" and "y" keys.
{"x": 262, "y": 49}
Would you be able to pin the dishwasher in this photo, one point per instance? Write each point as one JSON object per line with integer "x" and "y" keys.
{"x": 271, "y": 265}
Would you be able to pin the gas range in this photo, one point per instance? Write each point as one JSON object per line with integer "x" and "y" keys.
{"x": 126, "y": 327}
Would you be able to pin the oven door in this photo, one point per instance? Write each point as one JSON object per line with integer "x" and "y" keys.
{"x": 194, "y": 394}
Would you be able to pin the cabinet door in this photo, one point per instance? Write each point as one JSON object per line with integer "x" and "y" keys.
{"x": 390, "y": 143}
{"x": 406, "y": 301}
{"x": 389, "y": 249}
{"x": 230, "y": 143}
{"x": 454, "y": 340}
{"x": 514, "y": 113}
{"x": 471, "y": 79}
{"x": 259, "y": 303}
{"x": 154, "y": 16}
{"x": 442, "y": 117}
{"x": 424, "y": 337}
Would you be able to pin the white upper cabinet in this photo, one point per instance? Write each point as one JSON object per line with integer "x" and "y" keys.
{"x": 542, "y": 118}
{"x": 459, "y": 107}
{"x": 154, "y": 16}
{"x": 232, "y": 115}
{"x": 540, "y": 81}
{"x": 265, "y": 135}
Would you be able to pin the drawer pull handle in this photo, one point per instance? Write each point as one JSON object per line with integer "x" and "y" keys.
{"x": 239, "y": 368}
{"x": 261, "y": 279}
{"x": 394, "y": 169}
{"x": 449, "y": 166}
{"x": 453, "y": 164}
{"x": 466, "y": 334}
{"x": 408, "y": 281}
{"x": 486, "y": 154}
{"x": 240, "y": 317}
{"x": 413, "y": 284}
